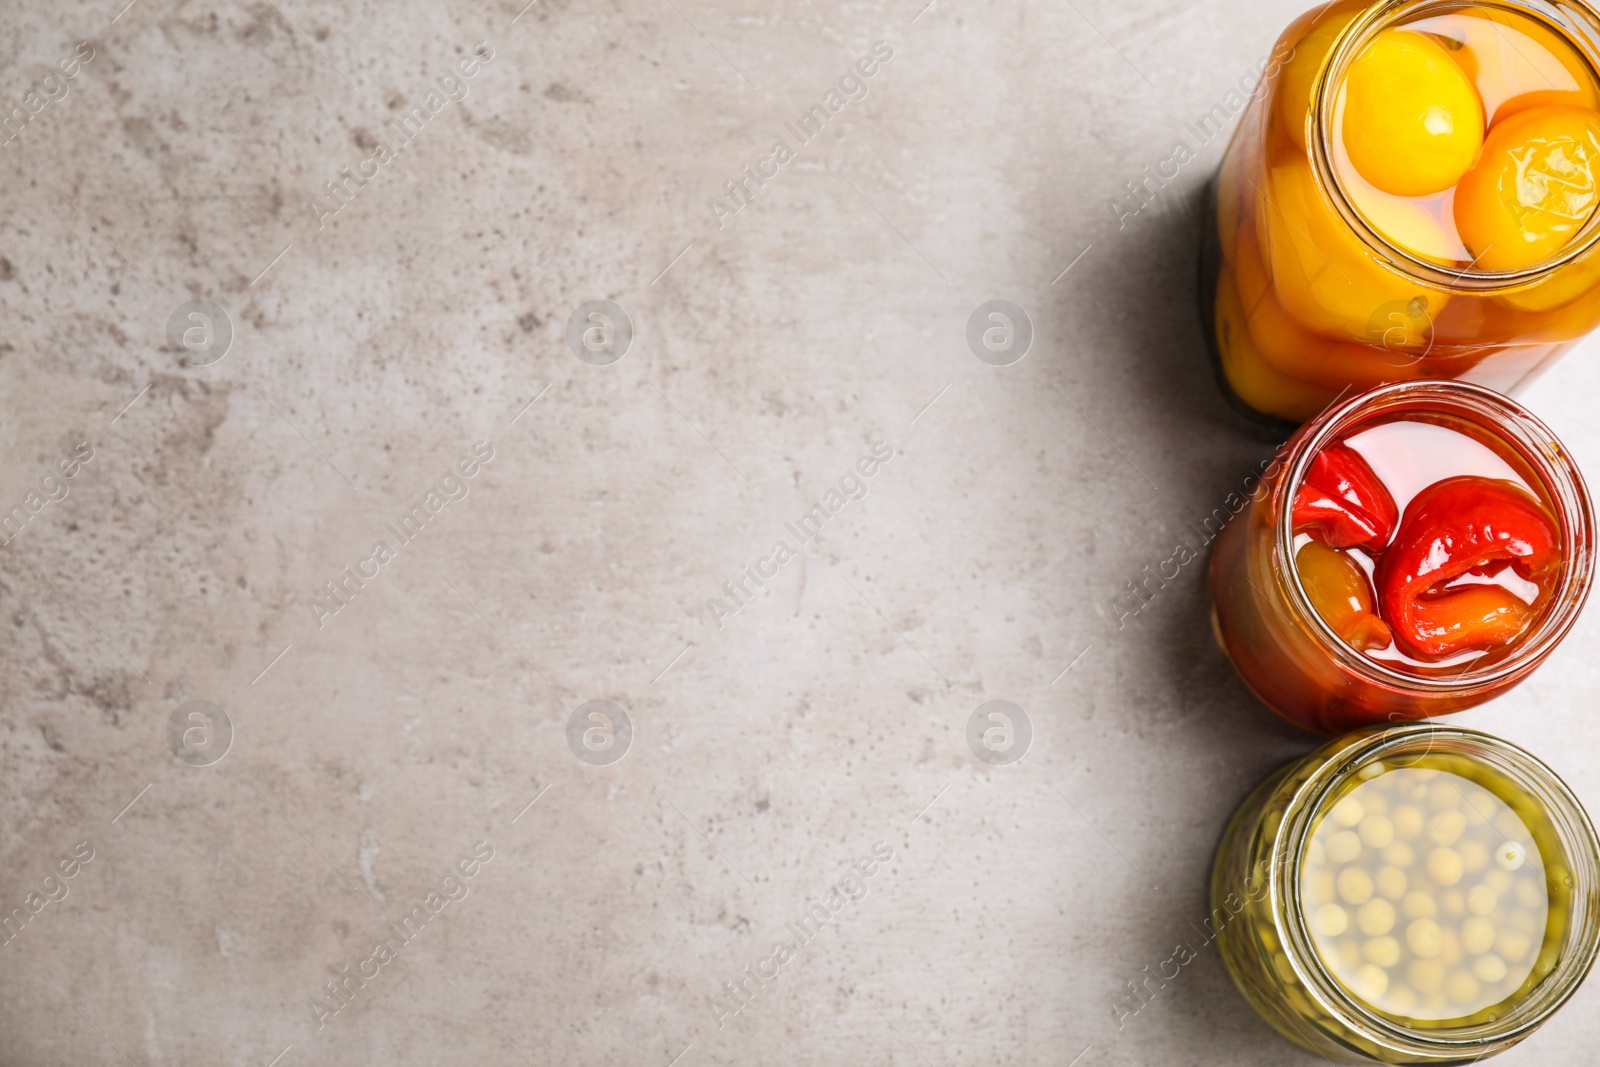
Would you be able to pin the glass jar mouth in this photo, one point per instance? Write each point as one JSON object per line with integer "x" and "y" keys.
{"x": 1576, "y": 837}
{"x": 1535, "y": 444}
{"x": 1576, "y": 21}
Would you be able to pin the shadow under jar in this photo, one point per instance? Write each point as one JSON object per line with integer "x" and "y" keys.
{"x": 1471, "y": 480}
{"x": 1414, "y": 895}
{"x": 1410, "y": 194}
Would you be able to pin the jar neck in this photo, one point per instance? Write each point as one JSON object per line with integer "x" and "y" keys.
{"x": 1533, "y": 442}
{"x": 1574, "y": 21}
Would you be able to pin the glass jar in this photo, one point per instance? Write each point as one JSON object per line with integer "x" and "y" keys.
{"x": 1307, "y": 296}
{"x": 1294, "y": 661}
{"x": 1535, "y": 893}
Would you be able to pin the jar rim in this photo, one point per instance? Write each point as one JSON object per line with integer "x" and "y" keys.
{"x": 1576, "y": 836}
{"x": 1537, "y": 445}
{"x": 1557, "y": 16}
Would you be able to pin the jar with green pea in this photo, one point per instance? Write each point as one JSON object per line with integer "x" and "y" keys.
{"x": 1414, "y": 895}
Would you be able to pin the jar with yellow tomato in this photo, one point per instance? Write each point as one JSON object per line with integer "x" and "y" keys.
{"x": 1412, "y": 196}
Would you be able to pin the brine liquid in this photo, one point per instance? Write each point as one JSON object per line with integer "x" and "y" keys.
{"x": 1429, "y": 897}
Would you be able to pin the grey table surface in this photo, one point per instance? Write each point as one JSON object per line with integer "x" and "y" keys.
{"x": 374, "y": 339}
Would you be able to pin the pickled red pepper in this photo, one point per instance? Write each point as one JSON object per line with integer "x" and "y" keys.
{"x": 1344, "y": 502}
{"x": 1454, "y": 528}
{"x": 1432, "y": 584}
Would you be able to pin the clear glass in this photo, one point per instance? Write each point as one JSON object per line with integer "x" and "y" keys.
{"x": 1294, "y": 662}
{"x": 1266, "y": 941}
{"x": 1306, "y": 298}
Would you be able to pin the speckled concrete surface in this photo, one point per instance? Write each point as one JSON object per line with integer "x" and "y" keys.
{"x": 381, "y": 750}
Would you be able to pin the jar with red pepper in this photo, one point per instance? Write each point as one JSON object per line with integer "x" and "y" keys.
{"x": 1414, "y": 550}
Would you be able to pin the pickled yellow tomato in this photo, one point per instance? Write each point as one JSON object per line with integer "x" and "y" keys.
{"x": 1301, "y": 68}
{"x": 1533, "y": 188}
{"x": 1413, "y": 122}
